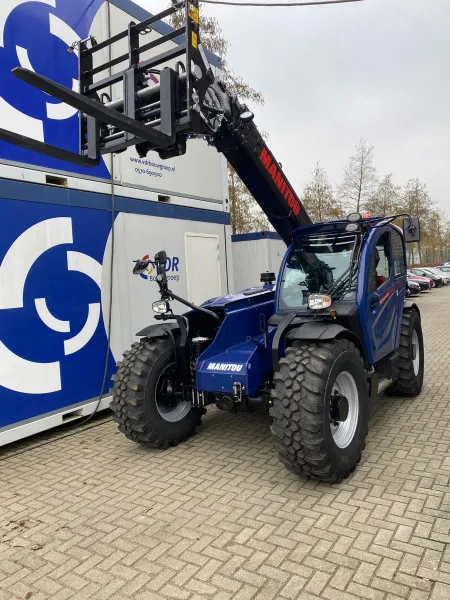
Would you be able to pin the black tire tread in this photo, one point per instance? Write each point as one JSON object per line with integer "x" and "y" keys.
{"x": 128, "y": 403}
{"x": 297, "y": 408}
{"x": 406, "y": 384}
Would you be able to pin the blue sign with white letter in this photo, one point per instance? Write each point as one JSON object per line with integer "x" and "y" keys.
{"x": 52, "y": 336}
{"x": 36, "y": 35}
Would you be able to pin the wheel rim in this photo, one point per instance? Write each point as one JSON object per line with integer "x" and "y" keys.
{"x": 169, "y": 398}
{"x": 344, "y": 431}
{"x": 415, "y": 352}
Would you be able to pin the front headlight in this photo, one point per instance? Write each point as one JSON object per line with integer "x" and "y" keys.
{"x": 161, "y": 307}
{"x": 319, "y": 301}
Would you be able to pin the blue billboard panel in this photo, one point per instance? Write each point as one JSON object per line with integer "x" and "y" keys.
{"x": 52, "y": 335}
{"x": 36, "y": 35}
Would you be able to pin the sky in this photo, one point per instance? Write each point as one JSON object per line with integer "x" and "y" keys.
{"x": 330, "y": 75}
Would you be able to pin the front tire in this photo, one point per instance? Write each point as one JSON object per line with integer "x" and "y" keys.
{"x": 312, "y": 437}
{"x": 147, "y": 404}
{"x": 411, "y": 350}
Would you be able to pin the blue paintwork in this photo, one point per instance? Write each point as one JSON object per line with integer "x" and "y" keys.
{"x": 67, "y": 295}
{"x": 257, "y": 235}
{"x": 380, "y": 312}
{"x": 231, "y": 346}
{"x": 33, "y": 192}
{"x": 228, "y": 299}
{"x": 380, "y": 325}
{"x": 27, "y": 26}
{"x": 376, "y": 327}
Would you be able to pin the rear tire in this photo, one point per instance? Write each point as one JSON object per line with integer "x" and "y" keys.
{"x": 411, "y": 350}
{"x": 307, "y": 441}
{"x": 143, "y": 411}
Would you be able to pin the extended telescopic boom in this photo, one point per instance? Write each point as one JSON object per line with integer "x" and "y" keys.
{"x": 189, "y": 101}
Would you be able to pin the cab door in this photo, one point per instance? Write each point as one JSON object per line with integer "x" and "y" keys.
{"x": 400, "y": 268}
{"x": 380, "y": 315}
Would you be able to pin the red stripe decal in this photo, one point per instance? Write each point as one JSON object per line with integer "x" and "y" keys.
{"x": 389, "y": 293}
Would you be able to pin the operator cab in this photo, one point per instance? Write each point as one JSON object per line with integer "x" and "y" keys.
{"x": 317, "y": 261}
{"x": 351, "y": 272}
{"x": 324, "y": 261}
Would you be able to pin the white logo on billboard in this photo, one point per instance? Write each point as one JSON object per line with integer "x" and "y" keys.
{"x": 16, "y": 373}
{"x": 10, "y": 117}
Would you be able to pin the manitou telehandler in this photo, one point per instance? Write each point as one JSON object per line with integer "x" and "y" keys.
{"x": 332, "y": 333}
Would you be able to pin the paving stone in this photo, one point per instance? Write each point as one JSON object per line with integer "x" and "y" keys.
{"x": 441, "y": 592}
{"x": 95, "y": 517}
{"x": 341, "y": 578}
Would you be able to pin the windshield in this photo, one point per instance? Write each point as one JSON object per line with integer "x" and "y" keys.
{"x": 314, "y": 265}
{"x": 437, "y": 271}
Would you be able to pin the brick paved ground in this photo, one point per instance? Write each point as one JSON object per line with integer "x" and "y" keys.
{"x": 93, "y": 516}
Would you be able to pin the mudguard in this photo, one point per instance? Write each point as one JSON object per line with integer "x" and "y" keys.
{"x": 160, "y": 330}
{"x": 157, "y": 330}
{"x": 317, "y": 331}
{"x": 282, "y": 326}
{"x": 409, "y": 304}
{"x": 320, "y": 331}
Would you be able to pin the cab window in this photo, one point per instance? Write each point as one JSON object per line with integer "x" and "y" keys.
{"x": 380, "y": 263}
{"x": 397, "y": 251}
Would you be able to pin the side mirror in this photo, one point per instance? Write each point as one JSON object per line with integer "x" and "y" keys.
{"x": 140, "y": 266}
{"x": 160, "y": 262}
{"x": 411, "y": 229}
{"x": 161, "y": 257}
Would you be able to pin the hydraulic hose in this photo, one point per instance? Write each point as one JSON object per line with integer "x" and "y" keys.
{"x": 194, "y": 307}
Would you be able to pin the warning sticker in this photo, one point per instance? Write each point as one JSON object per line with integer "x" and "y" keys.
{"x": 193, "y": 12}
{"x": 194, "y": 39}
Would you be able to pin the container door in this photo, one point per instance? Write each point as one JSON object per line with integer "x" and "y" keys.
{"x": 202, "y": 267}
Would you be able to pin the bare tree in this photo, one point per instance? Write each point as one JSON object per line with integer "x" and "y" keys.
{"x": 386, "y": 198}
{"x": 434, "y": 239}
{"x": 417, "y": 202}
{"x": 319, "y": 199}
{"x": 213, "y": 40}
{"x": 359, "y": 177}
{"x": 245, "y": 213}
{"x": 446, "y": 240}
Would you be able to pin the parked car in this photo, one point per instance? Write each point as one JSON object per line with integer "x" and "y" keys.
{"x": 438, "y": 280}
{"x": 444, "y": 269}
{"x": 445, "y": 276}
{"x": 412, "y": 287}
{"x": 419, "y": 278}
{"x": 446, "y": 264}
{"x": 424, "y": 282}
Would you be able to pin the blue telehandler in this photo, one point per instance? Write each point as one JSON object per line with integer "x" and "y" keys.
{"x": 315, "y": 346}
